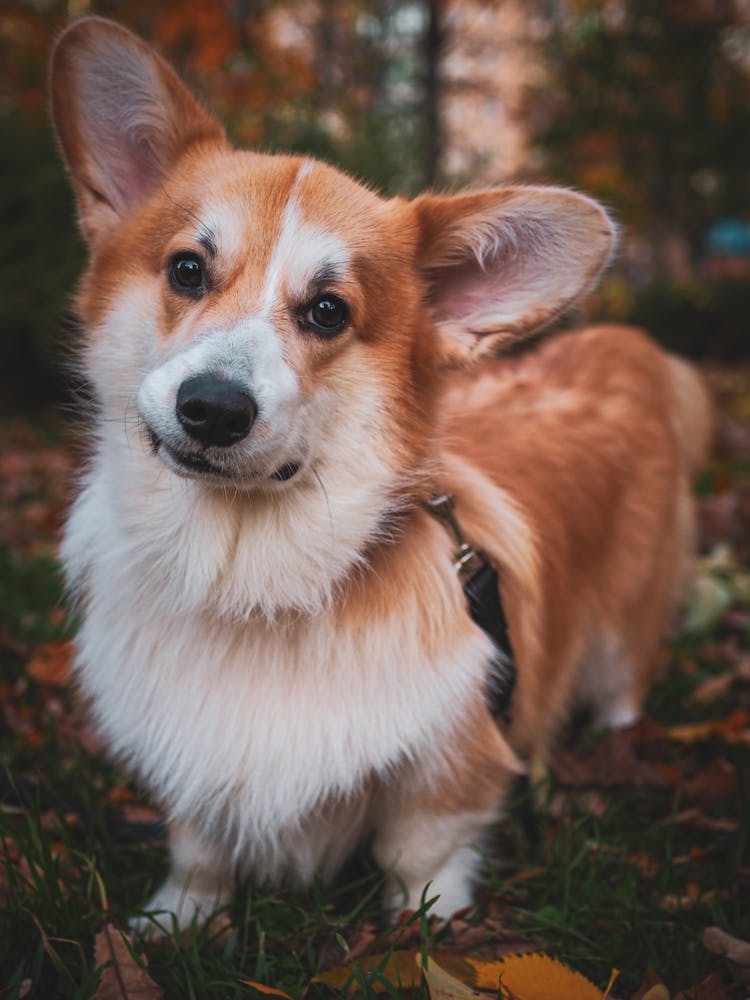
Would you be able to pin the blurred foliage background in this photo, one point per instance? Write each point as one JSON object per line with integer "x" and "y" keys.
{"x": 643, "y": 103}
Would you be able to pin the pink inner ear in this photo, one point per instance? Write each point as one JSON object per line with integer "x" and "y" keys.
{"x": 457, "y": 292}
{"x": 130, "y": 167}
{"x": 470, "y": 289}
{"x": 129, "y": 120}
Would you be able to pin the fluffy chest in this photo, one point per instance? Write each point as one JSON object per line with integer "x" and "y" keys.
{"x": 248, "y": 726}
{"x": 249, "y": 730}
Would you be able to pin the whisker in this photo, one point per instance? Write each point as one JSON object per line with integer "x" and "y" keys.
{"x": 328, "y": 503}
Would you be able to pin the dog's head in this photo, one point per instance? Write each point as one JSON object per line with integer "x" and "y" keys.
{"x": 263, "y": 312}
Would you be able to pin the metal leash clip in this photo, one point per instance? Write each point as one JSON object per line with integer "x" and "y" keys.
{"x": 466, "y": 560}
{"x": 481, "y": 586}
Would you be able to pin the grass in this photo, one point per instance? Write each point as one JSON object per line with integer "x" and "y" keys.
{"x": 601, "y": 876}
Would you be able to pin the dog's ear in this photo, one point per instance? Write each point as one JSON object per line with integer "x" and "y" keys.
{"x": 503, "y": 263}
{"x": 122, "y": 116}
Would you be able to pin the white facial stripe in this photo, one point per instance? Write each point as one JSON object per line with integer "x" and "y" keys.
{"x": 316, "y": 252}
{"x": 281, "y": 252}
{"x": 226, "y": 225}
{"x": 301, "y": 251}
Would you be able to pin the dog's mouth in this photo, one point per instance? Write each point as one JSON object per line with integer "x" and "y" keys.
{"x": 192, "y": 464}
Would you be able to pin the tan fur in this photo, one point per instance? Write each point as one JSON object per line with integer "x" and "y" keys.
{"x": 579, "y": 435}
{"x": 570, "y": 467}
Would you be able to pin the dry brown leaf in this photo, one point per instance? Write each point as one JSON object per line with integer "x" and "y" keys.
{"x": 692, "y": 898}
{"x": 714, "y": 783}
{"x": 361, "y": 939}
{"x": 712, "y": 987}
{"x": 721, "y": 943}
{"x": 699, "y": 821}
{"x": 51, "y": 663}
{"x": 613, "y": 763}
{"x": 712, "y": 688}
{"x": 399, "y": 968}
{"x": 651, "y": 981}
{"x": 137, "y": 813}
{"x": 123, "y": 978}
{"x": 735, "y": 728}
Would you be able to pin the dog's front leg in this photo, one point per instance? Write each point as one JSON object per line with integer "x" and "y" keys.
{"x": 199, "y": 883}
{"x": 416, "y": 847}
{"x": 432, "y": 823}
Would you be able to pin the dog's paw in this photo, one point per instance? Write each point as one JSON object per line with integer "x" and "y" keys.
{"x": 620, "y": 714}
{"x": 176, "y": 907}
{"x": 447, "y": 893}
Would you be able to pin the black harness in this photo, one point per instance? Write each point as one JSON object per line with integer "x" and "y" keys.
{"x": 481, "y": 586}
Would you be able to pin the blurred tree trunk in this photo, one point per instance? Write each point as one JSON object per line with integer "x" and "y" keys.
{"x": 434, "y": 41}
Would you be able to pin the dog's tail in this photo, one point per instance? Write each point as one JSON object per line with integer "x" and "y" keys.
{"x": 693, "y": 413}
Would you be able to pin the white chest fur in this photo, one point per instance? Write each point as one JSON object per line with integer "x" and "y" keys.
{"x": 247, "y": 727}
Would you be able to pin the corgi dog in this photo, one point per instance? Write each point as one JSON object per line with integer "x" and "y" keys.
{"x": 287, "y": 368}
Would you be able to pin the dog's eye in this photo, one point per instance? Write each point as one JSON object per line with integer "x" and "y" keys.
{"x": 327, "y": 315}
{"x": 186, "y": 272}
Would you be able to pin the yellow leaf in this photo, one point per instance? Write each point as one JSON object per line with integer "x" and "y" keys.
{"x": 441, "y": 985}
{"x": 525, "y": 977}
{"x": 534, "y": 977}
{"x": 658, "y": 992}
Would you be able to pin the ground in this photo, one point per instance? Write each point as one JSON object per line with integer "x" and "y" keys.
{"x": 619, "y": 854}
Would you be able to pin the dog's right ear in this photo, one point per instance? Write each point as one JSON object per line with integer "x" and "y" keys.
{"x": 502, "y": 263}
{"x": 123, "y": 119}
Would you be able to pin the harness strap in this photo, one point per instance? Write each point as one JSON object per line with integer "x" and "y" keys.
{"x": 481, "y": 586}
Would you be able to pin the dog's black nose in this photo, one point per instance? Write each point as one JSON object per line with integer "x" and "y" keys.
{"x": 214, "y": 411}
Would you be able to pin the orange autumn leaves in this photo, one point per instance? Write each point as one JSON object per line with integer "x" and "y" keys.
{"x": 450, "y": 977}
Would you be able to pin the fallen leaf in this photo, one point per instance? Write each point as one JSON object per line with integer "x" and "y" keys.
{"x": 658, "y": 992}
{"x": 137, "y": 813}
{"x": 123, "y": 978}
{"x": 269, "y": 990}
{"x": 398, "y": 968}
{"x": 51, "y": 663}
{"x": 714, "y": 783}
{"x": 735, "y": 728}
{"x": 652, "y": 988}
{"x": 535, "y": 977}
{"x": 613, "y": 762}
{"x": 442, "y": 986}
{"x": 693, "y": 897}
{"x": 721, "y": 943}
{"x": 712, "y": 987}
{"x": 699, "y": 821}
{"x": 525, "y": 977}
{"x": 712, "y": 688}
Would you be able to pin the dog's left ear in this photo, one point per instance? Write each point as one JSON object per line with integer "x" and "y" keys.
{"x": 501, "y": 264}
{"x": 123, "y": 119}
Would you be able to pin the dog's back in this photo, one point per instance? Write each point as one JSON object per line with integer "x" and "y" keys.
{"x": 595, "y": 438}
